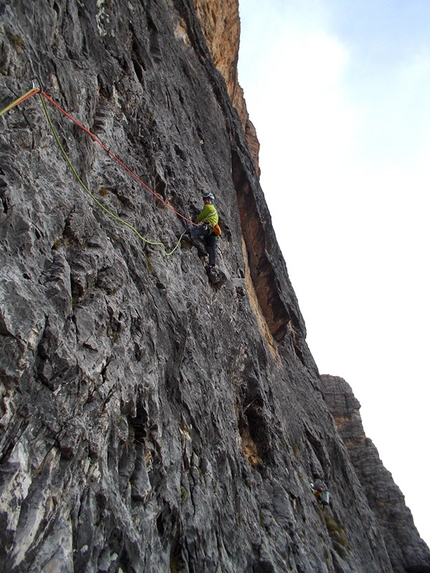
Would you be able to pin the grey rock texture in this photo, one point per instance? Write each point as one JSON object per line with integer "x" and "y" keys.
{"x": 152, "y": 418}
{"x": 406, "y": 550}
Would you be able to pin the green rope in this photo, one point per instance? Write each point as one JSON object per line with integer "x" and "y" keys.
{"x": 18, "y": 101}
{"x": 85, "y": 188}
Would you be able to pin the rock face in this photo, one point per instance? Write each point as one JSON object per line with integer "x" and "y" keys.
{"x": 152, "y": 418}
{"x": 406, "y": 550}
{"x": 219, "y": 20}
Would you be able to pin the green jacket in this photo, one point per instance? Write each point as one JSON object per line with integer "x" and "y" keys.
{"x": 208, "y": 215}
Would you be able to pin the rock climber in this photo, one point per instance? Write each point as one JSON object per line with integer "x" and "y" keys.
{"x": 206, "y": 221}
{"x": 321, "y": 495}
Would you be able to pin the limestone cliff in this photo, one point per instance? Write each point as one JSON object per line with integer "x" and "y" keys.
{"x": 219, "y": 20}
{"x": 406, "y": 550}
{"x": 152, "y": 420}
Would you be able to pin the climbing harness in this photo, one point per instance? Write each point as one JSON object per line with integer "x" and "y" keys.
{"x": 43, "y": 96}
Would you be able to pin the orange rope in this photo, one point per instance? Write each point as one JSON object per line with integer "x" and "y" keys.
{"x": 97, "y": 140}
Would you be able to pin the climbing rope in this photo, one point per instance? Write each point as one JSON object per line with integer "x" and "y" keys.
{"x": 43, "y": 95}
{"x": 85, "y": 188}
{"x": 19, "y": 100}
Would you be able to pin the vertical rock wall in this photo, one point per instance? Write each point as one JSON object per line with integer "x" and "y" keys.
{"x": 220, "y": 23}
{"x": 149, "y": 420}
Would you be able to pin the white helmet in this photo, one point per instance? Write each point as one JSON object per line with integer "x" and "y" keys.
{"x": 208, "y": 195}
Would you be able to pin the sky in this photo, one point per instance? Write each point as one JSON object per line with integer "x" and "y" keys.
{"x": 339, "y": 93}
